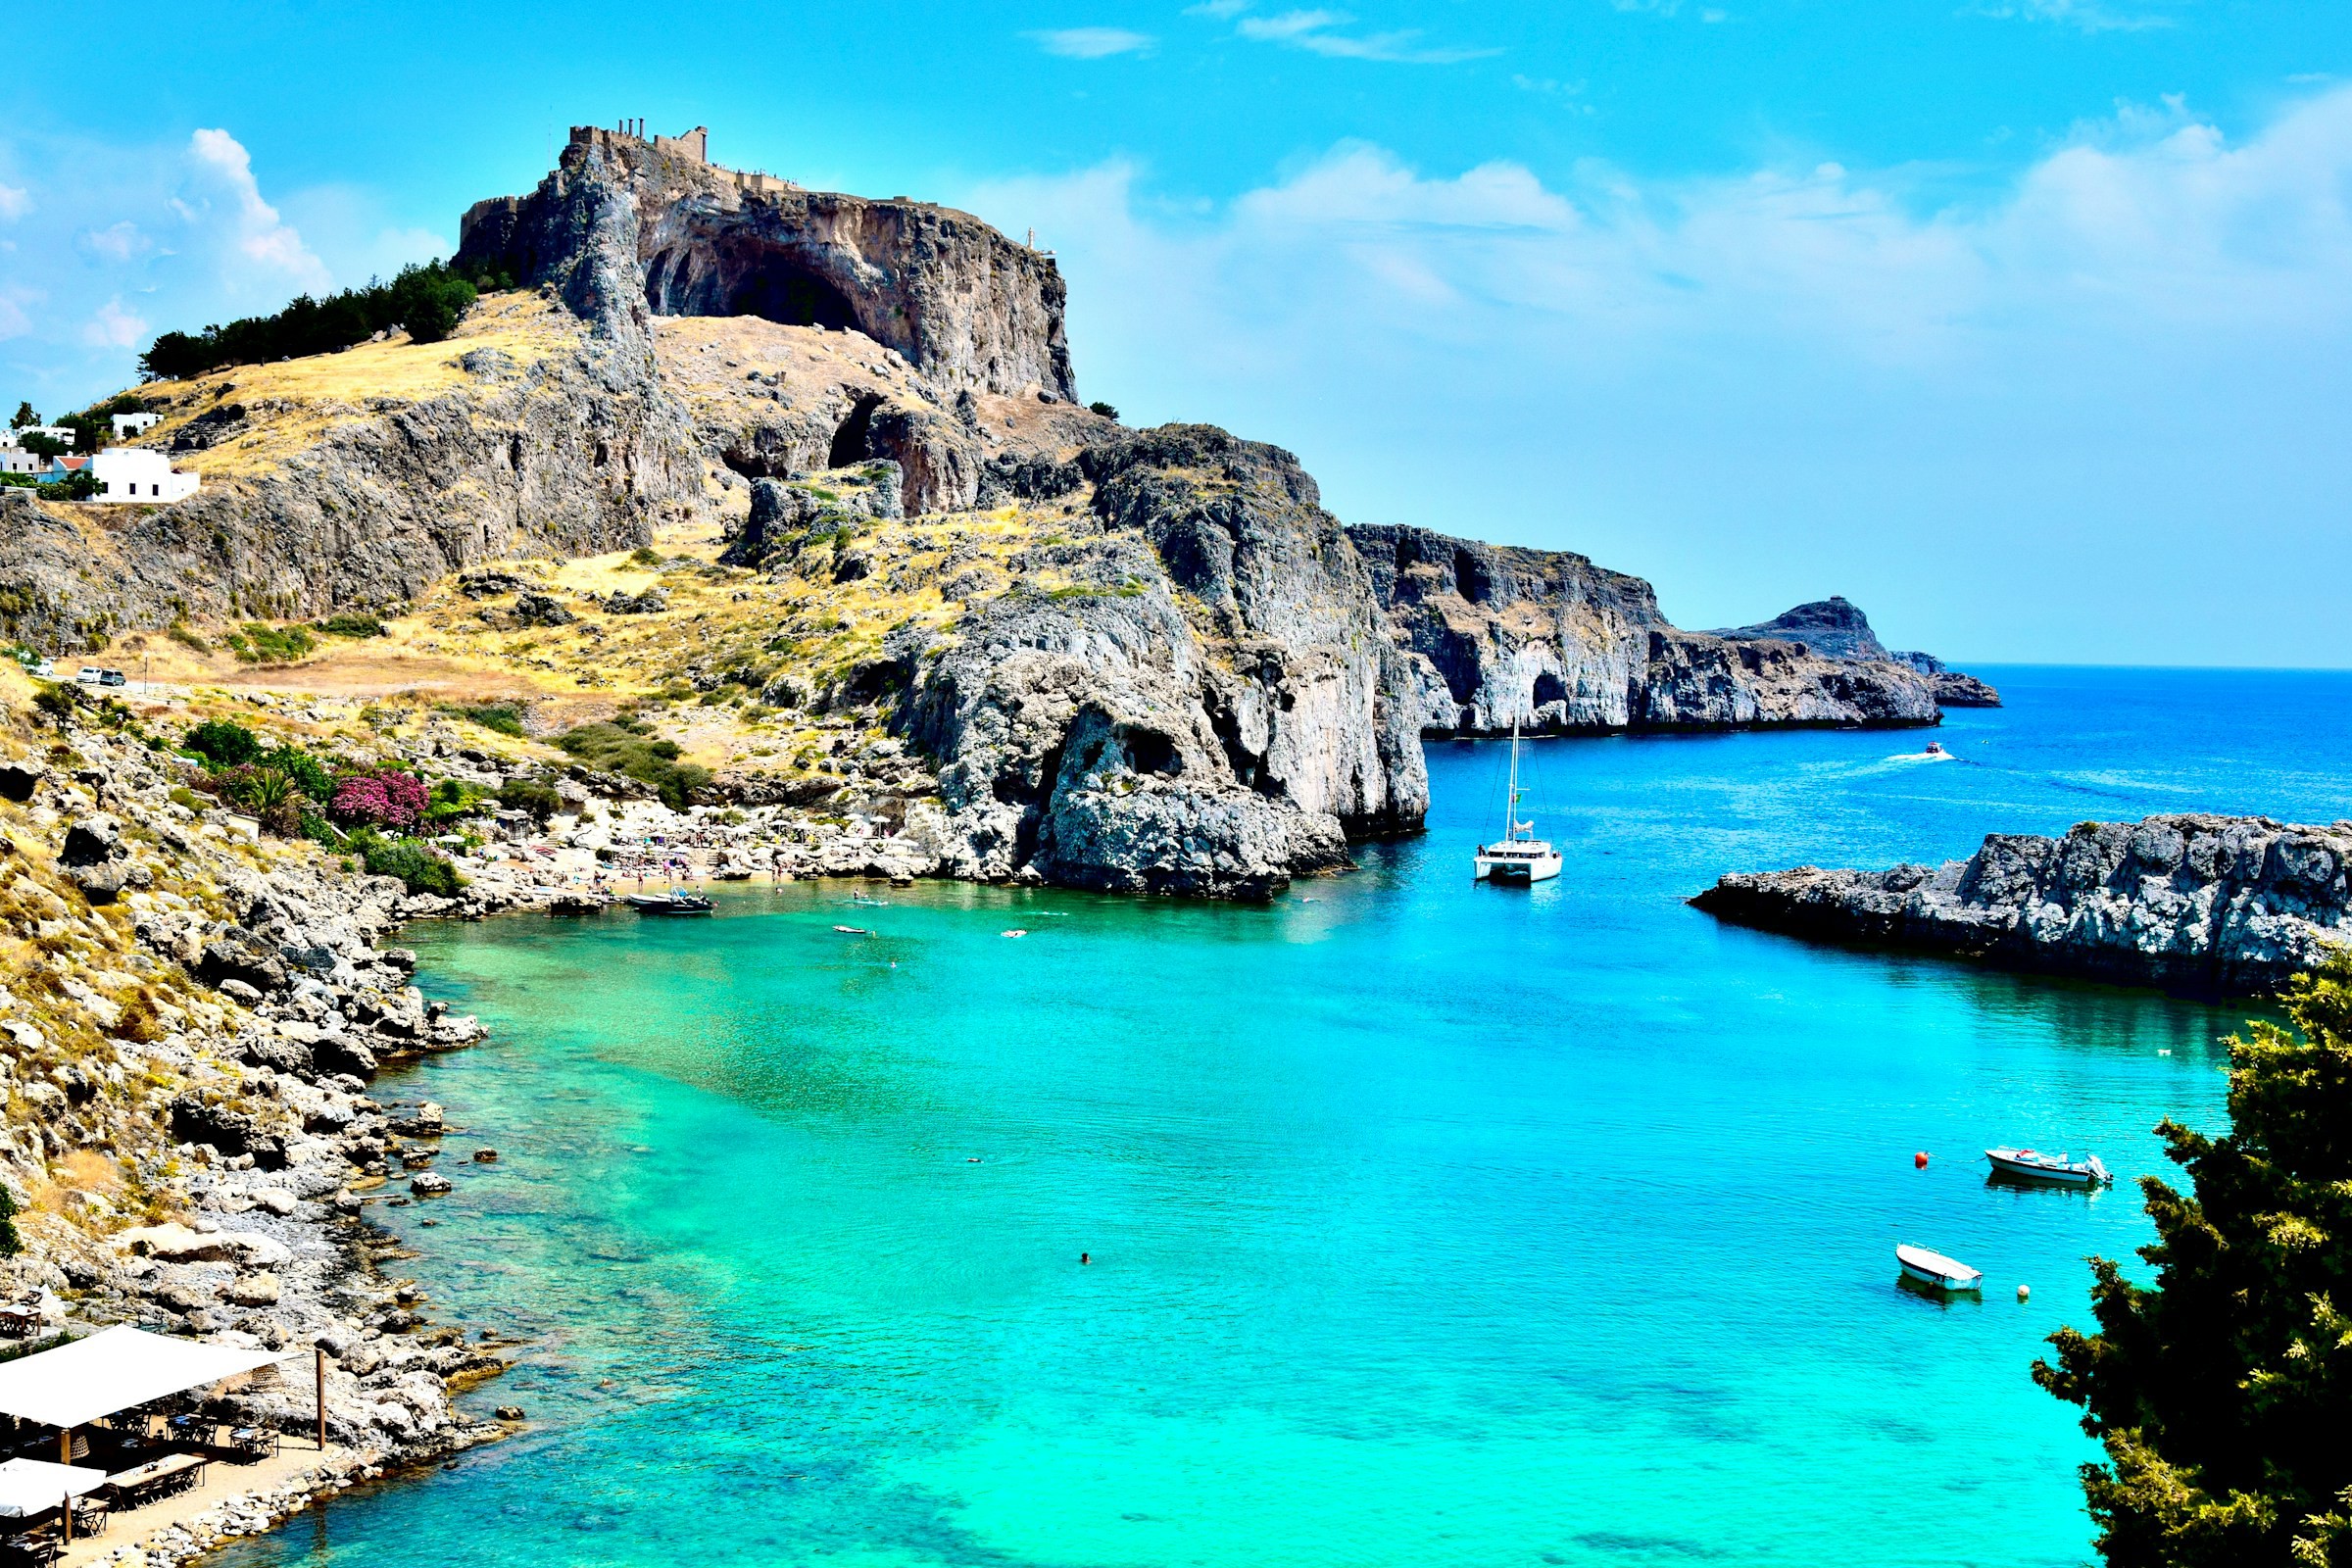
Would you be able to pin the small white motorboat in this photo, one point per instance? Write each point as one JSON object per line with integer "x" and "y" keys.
{"x": 1937, "y": 1271}
{"x": 2027, "y": 1164}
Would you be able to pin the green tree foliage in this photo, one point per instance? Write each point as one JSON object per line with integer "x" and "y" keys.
{"x": 222, "y": 743}
{"x": 2221, "y": 1393}
{"x": 350, "y": 625}
{"x": 537, "y": 796}
{"x": 10, "y": 1243}
{"x": 25, "y": 416}
{"x": 415, "y": 863}
{"x": 624, "y": 747}
{"x": 1103, "y": 408}
{"x": 79, "y": 485}
{"x": 429, "y": 300}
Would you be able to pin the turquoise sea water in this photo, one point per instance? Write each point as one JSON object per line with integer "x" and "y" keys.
{"x": 1431, "y": 1223}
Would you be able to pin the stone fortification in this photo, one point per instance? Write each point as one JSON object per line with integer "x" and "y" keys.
{"x": 626, "y": 226}
{"x": 1495, "y": 633}
{"x": 2224, "y": 904}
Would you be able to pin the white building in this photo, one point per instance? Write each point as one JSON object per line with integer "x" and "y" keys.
{"x": 15, "y": 460}
{"x": 136, "y": 473}
{"x": 54, "y": 432}
{"x": 127, "y": 425}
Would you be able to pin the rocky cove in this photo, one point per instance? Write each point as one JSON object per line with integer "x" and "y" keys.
{"x": 188, "y": 1021}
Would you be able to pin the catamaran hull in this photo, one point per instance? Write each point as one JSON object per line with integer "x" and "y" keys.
{"x": 1518, "y": 873}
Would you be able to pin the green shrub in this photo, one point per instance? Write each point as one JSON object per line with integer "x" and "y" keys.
{"x": 222, "y": 743}
{"x": 503, "y": 717}
{"x": 272, "y": 645}
{"x": 624, "y": 747}
{"x": 309, "y": 776}
{"x": 10, "y": 1243}
{"x": 645, "y": 556}
{"x": 418, "y": 867}
{"x": 536, "y": 795}
{"x": 1103, "y": 408}
{"x": 450, "y": 800}
{"x": 349, "y": 626}
{"x": 79, "y": 485}
{"x": 179, "y": 633}
{"x": 181, "y": 794}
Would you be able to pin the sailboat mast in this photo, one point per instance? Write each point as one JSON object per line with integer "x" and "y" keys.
{"x": 1510, "y": 811}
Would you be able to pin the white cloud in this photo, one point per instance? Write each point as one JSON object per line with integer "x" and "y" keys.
{"x": 2002, "y": 425}
{"x": 117, "y": 242}
{"x": 15, "y": 202}
{"x": 113, "y": 327}
{"x": 258, "y": 234}
{"x": 1317, "y": 33}
{"x": 1092, "y": 43}
{"x": 2085, "y": 16}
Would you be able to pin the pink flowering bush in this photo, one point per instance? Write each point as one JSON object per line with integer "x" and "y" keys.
{"x": 385, "y": 798}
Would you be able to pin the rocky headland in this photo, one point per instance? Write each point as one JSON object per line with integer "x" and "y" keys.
{"x": 1835, "y": 628}
{"x": 1109, "y": 659}
{"x": 2228, "y": 906}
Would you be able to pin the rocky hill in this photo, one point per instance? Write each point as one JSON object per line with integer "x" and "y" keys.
{"x": 2219, "y": 904}
{"x": 1835, "y": 628}
{"x": 1495, "y": 633}
{"x": 1109, "y": 658}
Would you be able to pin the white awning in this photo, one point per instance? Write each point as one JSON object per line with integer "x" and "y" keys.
{"x": 35, "y": 1486}
{"x": 112, "y": 1370}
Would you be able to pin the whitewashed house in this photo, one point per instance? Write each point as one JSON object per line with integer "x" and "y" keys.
{"x": 127, "y": 425}
{"x": 136, "y": 474}
{"x": 15, "y": 460}
{"x": 63, "y": 434}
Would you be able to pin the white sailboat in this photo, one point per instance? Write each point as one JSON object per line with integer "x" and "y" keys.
{"x": 1519, "y": 857}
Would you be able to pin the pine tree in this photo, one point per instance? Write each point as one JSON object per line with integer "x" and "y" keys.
{"x": 2222, "y": 1392}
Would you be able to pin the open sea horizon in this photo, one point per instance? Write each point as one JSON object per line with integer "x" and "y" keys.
{"x": 1428, "y": 1223}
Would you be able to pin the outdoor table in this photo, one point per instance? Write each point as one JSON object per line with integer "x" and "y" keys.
{"x": 159, "y": 1478}
{"x": 255, "y": 1443}
{"x": 33, "y": 1549}
{"x": 19, "y": 1322}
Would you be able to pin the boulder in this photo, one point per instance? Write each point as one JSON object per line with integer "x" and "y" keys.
{"x": 541, "y": 610}
{"x": 245, "y": 956}
{"x": 18, "y": 781}
{"x": 174, "y": 1243}
{"x": 429, "y": 1184}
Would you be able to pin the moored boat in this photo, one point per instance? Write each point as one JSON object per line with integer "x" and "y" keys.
{"x": 1936, "y": 1271}
{"x": 2027, "y": 1164}
{"x": 1518, "y": 859}
{"x": 677, "y": 901}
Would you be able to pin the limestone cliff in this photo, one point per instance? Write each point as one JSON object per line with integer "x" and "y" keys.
{"x": 1210, "y": 707}
{"x": 1495, "y": 633}
{"x": 2211, "y": 904}
{"x": 626, "y": 226}
{"x": 1835, "y": 628}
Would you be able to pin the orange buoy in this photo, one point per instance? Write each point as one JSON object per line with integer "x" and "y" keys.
{"x": 1919, "y": 1161}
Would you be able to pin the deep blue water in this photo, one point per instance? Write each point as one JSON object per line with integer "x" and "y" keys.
{"x": 1431, "y": 1223}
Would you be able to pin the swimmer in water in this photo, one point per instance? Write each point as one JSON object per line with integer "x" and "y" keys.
{"x": 1086, "y": 1257}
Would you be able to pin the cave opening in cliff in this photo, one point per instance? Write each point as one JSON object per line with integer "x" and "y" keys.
{"x": 744, "y": 279}
{"x": 1550, "y": 689}
{"x": 850, "y": 436}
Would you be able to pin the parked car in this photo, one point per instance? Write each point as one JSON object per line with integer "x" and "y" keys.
{"x": 113, "y": 677}
{"x": 90, "y": 675}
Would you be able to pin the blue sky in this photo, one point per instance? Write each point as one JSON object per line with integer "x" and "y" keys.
{"x": 2025, "y": 324}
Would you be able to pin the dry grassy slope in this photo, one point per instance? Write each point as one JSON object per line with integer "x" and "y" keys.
{"x": 295, "y": 403}
{"x": 734, "y": 375}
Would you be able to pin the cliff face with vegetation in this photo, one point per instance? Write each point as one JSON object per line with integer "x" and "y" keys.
{"x": 1118, "y": 659}
{"x": 354, "y": 480}
{"x": 2213, "y": 904}
{"x": 1495, "y": 634}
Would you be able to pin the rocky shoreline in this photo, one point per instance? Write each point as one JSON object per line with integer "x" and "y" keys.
{"x": 2228, "y": 906}
{"x": 186, "y": 1040}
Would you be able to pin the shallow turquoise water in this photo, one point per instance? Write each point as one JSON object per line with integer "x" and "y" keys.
{"x": 1431, "y": 1223}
